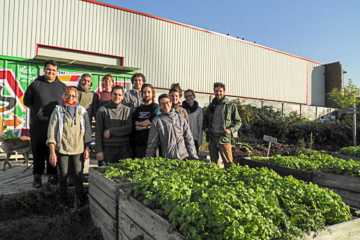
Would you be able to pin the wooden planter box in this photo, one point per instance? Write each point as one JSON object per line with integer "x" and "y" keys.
{"x": 137, "y": 220}
{"x": 306, "y": 176}
{"x": 126, "y": 218}
{"x": 103, "y": 201}
{"x": 120, "y": 218}
{"x": 345, "y": 157}
{"x": 341, "y": 231}
{"x": 345, "y": 186}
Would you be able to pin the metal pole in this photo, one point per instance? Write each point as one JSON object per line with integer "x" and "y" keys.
{"x": 354, "y": 126}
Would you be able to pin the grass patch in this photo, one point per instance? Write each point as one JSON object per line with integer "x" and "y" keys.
{"x": 42, "y": 215}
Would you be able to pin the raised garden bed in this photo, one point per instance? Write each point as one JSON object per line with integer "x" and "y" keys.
{"x": 346, "y": 186}
{"x": 306, "y": 176}
{"x": 121, "y": 218}
{"x": 345, "y": 157}
{"x": 127, "y": 218}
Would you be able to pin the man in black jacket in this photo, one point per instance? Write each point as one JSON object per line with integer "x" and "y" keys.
{"x": 41, "y": 97}
{"x": 142, "y": 118}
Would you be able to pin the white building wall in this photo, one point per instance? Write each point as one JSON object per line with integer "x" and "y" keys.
{"x": 316, "y": 76}
{"x": 166, "y": 52}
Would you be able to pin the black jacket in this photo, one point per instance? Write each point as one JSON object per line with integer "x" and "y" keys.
{"x": 41, "y": 97}
{"x": 141, "y": 114}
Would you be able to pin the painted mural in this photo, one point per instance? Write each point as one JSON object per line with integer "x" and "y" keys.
{"x": 15, "y": 76}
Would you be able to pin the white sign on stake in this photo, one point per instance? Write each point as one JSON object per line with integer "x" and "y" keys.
{"x": 270, "y": 140}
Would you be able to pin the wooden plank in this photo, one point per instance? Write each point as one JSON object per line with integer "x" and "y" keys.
{"x": 101, "y": 219}
{"x": 131, "y": 229}
{"x": 106, "y": 202}
{"x": 122, "y": 236}
{"x": 341, "y": 231}
{"x": 282, "y": 171}
{"x": 345, "y": 157}
{"x": 337, "y": 181}
{"x": 152, "y": 223}
{"x": 107, "y": 185}
{"x": 348, "y": 197}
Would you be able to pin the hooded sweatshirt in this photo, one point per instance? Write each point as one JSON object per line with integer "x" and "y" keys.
{"x": 116, "y": 118}
{"x": 42, "y": 97}
{"x": 69, "y": 129}
{"x": 172, "y": 132}
{"x": 132, "y": 99}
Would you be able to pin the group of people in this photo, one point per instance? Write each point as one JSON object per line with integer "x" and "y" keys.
{"x": 127, "y": 124}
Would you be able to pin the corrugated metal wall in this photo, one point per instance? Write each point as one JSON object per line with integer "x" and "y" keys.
{"x": 316, "y": 86}
{"x": 165, "y": 52}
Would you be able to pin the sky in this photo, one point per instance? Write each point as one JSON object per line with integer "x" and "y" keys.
{"x": 324, "y": 31}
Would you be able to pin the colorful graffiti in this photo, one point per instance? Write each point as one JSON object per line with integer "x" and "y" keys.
{"x": 12, "y": 108}
{"x": 16, "y": 76}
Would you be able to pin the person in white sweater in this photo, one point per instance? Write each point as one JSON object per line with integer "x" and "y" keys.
{"x": 195, "y": 113}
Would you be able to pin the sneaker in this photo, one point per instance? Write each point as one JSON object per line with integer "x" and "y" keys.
{"x": 37, "y": 181}
{"x": 53, "y": 179}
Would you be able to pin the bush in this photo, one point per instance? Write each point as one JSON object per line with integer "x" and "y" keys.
{"x": 257, "y": 122}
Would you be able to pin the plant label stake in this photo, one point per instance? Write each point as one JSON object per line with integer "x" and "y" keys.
{"x": 354, "y": 126}
{"x": 270, "y": 140}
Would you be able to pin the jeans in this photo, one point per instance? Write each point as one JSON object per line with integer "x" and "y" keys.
{"x": 69, "y": 164}
{"x": 224, "y": 149}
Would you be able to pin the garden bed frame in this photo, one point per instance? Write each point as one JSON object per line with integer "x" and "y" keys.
{"x": 345, "y": 186}
{"x": 345, "y": 157}
{"x": 120, "y": 218}
{"x": 126, "y": 218}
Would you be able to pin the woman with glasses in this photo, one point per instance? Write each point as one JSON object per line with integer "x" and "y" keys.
{"x": 69, "y": 133}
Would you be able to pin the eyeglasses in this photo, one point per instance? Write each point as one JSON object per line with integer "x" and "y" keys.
{"x": 165, "y": 103}
{"x": 71, "y": 96}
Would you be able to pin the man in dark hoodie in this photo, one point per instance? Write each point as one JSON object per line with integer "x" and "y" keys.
{"x": 112, "y": 129}
{"x": 41, "y": 97}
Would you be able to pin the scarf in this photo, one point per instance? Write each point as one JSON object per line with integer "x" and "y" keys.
{"x": 84, "y": 89}
{"x": 188, "y": 108}
{"x": 214, "y": 103}
{"x": 70, "y": 108}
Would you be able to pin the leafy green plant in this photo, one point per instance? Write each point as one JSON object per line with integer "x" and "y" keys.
{"x": 323, "y": 162}
{"x": 206, "y": 202}
{"x": 351, "y": 151}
